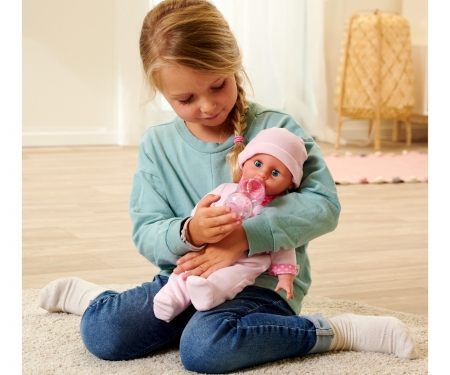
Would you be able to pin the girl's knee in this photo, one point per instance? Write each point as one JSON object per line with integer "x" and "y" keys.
{"x": 202, "y": 348}
{"x": 102, "y": 339}
{"x": 107, "y": 332}
{"x": 201, "y": 358}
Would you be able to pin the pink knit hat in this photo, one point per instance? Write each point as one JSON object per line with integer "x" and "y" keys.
{"x": 282, "y": 144}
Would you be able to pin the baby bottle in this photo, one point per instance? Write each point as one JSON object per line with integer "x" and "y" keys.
{"x": 249, "y": 193}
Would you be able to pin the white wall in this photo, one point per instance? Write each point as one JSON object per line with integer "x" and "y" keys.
{"x": 68, "y": 66}
{"x": 81, "y": 71}
{"x": 416, "y": 12}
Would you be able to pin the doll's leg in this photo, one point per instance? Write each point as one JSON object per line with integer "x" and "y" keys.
{"x": 172, "y": 299}
{"x": 225, "y": 283}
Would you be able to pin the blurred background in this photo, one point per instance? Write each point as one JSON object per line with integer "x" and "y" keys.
{"x": 82, "y": 78}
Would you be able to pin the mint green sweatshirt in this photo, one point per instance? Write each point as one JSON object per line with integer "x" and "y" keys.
{"x": 175, "y": 170}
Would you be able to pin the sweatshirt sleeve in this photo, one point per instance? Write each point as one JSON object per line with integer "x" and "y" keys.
{"x": 156, "y": 229}
{"x": 297, "y": 218}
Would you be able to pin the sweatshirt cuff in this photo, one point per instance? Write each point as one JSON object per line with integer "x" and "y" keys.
{"x": 259, "y": 234}
{"x": 173, "y": 238}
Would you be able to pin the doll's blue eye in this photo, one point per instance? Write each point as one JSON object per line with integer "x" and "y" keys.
{"x": 258, "y": 164}
{"x": 275, "y": 173}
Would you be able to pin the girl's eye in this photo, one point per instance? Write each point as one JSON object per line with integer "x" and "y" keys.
{"x": 258, "y": 164}
{"x": 275, "y": 173}
{"x": 186, "y": 101}
{"x": 218, "y": 88}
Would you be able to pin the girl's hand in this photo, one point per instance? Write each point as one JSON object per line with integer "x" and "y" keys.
{"x": 211, "y": 224}
{"x": 286, "y": 282}
{"x": 215, "y": 256}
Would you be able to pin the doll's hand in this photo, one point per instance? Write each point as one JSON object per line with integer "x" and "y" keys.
{"x": 214, "y": 257}
{"x": 211, "y": 224}
{"x": 286, "y": 282}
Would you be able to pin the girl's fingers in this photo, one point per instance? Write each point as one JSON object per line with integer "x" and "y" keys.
{"x": 208, "y": 201}
{"x": 188, "y": 261}
{"x": 224, "y": 230}
{"x": 198, "y": 266}
{"x": 188, "y": 256}
{"x": 229, "y": 218}
{"x": 198, "y": 271}
{"x": 216, "y": 216}
{"x": 210, "y": 271}
{"x": 213, "y": 230}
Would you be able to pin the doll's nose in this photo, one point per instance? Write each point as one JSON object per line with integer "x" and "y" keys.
{"x": 262, "y": 175}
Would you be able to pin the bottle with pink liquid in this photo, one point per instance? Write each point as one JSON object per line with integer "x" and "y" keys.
{"x": 248, "y": 195}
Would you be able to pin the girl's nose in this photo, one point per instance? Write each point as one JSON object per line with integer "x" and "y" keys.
{"x": 208, "y": 107}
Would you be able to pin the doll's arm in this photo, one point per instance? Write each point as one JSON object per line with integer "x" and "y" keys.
{"x": 286, "y": 282}
{"x": 283, "y": 256}
{"x": 284, "y": 267}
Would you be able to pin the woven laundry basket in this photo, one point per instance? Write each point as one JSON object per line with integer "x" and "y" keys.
{"x": 375, "y": 77}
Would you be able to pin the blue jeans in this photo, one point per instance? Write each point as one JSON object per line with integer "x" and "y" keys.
{"x": 256, "y": 327}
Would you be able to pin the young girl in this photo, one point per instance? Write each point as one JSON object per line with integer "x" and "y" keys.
{"x": 276, "y": 157}
{"x": 190, "y": 55}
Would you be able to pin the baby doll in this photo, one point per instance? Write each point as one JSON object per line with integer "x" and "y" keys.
{"x": 275, "y": 157}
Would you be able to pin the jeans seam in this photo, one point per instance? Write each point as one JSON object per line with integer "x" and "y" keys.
{"x": 98, "y": 300}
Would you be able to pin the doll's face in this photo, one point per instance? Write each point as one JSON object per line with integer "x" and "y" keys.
{"x": 271, "y": 171}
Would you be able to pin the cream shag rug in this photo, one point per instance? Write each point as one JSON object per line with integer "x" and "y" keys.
{"x": 52, "y": 345}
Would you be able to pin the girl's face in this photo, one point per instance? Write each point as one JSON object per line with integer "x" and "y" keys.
{"x": 198, "y": 98}
{"x": 274, "y": 174}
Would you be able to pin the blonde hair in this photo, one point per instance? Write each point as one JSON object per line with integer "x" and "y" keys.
{"x": 194, "y": 34}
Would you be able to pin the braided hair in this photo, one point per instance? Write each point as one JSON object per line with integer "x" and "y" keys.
{"x": 194, "y": 34}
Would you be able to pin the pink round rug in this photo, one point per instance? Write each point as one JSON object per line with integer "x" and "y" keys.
{"x": 379, "y": 168}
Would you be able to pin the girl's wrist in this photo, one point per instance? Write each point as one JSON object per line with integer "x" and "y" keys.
{"x": 186, "y": 238}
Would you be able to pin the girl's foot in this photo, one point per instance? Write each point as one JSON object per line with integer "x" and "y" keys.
{"x": 69, "y": 294}
{"x": 383, "y": 334}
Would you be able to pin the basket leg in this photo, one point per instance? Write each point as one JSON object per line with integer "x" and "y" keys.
{"x": 377, "y": 134}
{"x": 408, "y": 132}
{"x": 395, "y": 129}
{"x": 370, "y": 127}
{"x": 338, "y": 132}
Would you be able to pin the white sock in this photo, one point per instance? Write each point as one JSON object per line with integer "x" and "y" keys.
{"x": 69, "y": 294}
{"x": 383, "y": 334}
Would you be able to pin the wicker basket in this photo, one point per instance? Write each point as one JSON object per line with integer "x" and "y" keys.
{"x": 375, "y": 78}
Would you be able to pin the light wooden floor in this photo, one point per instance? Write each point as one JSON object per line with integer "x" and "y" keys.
{"x": 75, "y": 222}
